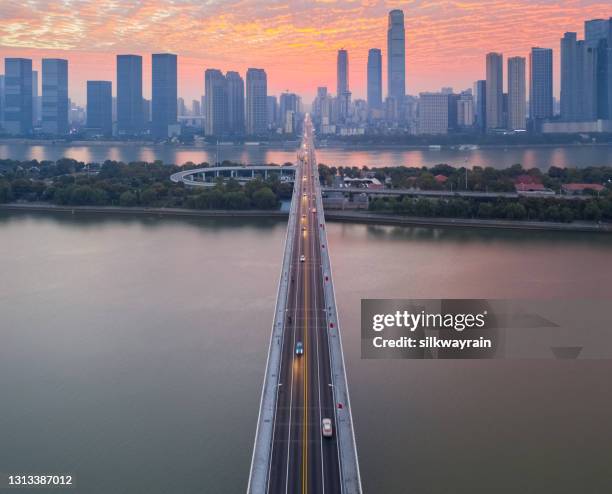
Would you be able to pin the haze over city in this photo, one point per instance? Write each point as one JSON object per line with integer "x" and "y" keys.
{"x": 296, "y": 42}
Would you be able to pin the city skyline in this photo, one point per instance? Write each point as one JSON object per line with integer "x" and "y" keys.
{"x": 285, "y": 38}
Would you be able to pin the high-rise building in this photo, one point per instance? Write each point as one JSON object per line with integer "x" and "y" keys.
{"x": 495, "y": 90}
{"x": 256, "y": 101}
{"x": 1, "y": 99}
{"x": 235, "y": 103}
{"x": 375, "y": 79}
{"x": 465, "y": 109}
{"x": 343, "y": 93}
{"x": 54, "y": 96}
{"x": 540, "y": 84}
{"x": 196, "y": 109}
{"x": 396, "y": 56}
{"x": 215, "y": 92}
{"x": 18, "y": 96}
{"x": 100, "y": 107}
{"x": 433, "y": 113}
{"x": 517, "y": 94}
{"x": 129, "y": 94}
{"x": 272, "y": 111}
{"x": 146, "y": 112}
{"x": 598, "y": 37}
{"x": 342, "y": 72}
{"x": 164, "y": 94}
{"x": 570, "y": 75}
{"x": 480, "y": 104}
{"x": 36, "y": 100}
{"x": 289, "y": 110}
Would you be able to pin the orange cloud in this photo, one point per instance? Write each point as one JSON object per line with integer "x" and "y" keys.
{"x": 295, "y": 41}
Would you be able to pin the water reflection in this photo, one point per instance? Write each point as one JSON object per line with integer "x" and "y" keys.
{"x": 537, "y": 156}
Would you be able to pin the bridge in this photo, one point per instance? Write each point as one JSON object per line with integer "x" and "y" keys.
{"x": 207, "y": 176}
{"x": 305, "y": 380}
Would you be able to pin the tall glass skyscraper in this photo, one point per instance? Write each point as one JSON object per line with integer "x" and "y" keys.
{"x": 235, "y": 102}
{"x": 495, "y": 90}
{"x": 540, "y": 84}
{"x": 342, "y": 73}
{"x": 480, "y": 103}
{"x": 100, "y": 107}
{"x": 598, "y": 37}
{"x": 54, "y": 96}
{"x": 129, "y": 94}
{"x": 375, "y": 79}
{"x": 164, "y": 93}
{"x": 256, "y": 101}
{"x": 18, "y": 96}
{"x": 517, "y": 94}
{"x": 396, "y": 56}
{"x": 215, "y": 94}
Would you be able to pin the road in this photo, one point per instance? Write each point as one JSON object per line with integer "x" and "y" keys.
{"x": 302, "y": 460}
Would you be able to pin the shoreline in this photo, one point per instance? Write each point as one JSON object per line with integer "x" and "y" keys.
{"x": 289, "y": 145}
{"x": 332, "y": 215}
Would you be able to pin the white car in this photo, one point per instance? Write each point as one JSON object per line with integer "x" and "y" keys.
{"x": 302, "y": 258}
{"x": 326, "y": 428}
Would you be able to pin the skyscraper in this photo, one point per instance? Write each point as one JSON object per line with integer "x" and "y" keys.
{"x": 272, "y": 111}
{"x": 540, "y": 84}
{"x": 517, "y": 94}
{"x": 100, "y": 107}
{"x": 495, "y": 92}
{"x": 434, "y": 113}
{"x": 374, "y": 79}
{"x": 215, "y": 92}
{"x": 289, "y": 109}
{"x": 235, "y": 103}
{"x": 480, "y": 103}
{"x": 129, "y": 94}
{"x": 18, "y": 96}
{"x": 342, "y": 73}
{"x": 1, "y": 100}
{"x": 396, "y": 56}
{"x": 570, "y": 74}
{"x": 36, "y": 103}
{"x": 598, "y": 37}
{"x": 256, "y": 101}
{"x": 164, "y": 93}
{"x": 54, "y": 96}
{"x": 343, "y": 94}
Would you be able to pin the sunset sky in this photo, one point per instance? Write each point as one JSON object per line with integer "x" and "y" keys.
{"x": 294, "y": 41}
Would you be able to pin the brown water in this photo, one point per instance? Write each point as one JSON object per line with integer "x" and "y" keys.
{"x": 133, "y": 350}
{"x": 529, "y": 157}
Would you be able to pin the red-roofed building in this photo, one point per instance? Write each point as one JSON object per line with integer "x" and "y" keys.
{"x": 441, "y": 178}
{"x": 581, "y": 188}
{"x": 528, "y": 183}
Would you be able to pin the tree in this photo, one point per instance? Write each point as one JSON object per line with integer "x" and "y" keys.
{"x": 6, "y": 193}
{"x": 128, "y": 199}
{"x": 264, "y": 198}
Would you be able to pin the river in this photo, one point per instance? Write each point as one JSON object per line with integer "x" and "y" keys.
{"x": 499, "y": 157}
{"x": 133, "y": 349}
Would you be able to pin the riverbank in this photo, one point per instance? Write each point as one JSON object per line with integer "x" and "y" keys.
{"x": 339, "y": 216}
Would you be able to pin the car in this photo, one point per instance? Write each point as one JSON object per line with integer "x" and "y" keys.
{"x": 305, "y": 195}
{"x": 299, "y": 348}
{"x": 302, "y": 258}
{"x": 314, "y": 210}
{"x": 303, "y": 228}
{"x": 326, "y": 428}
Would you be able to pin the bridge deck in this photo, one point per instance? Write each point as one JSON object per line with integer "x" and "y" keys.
{"x": 301, "y": 389}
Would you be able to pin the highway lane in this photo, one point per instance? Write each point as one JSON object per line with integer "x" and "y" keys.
{"x": 303, "y": 461}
